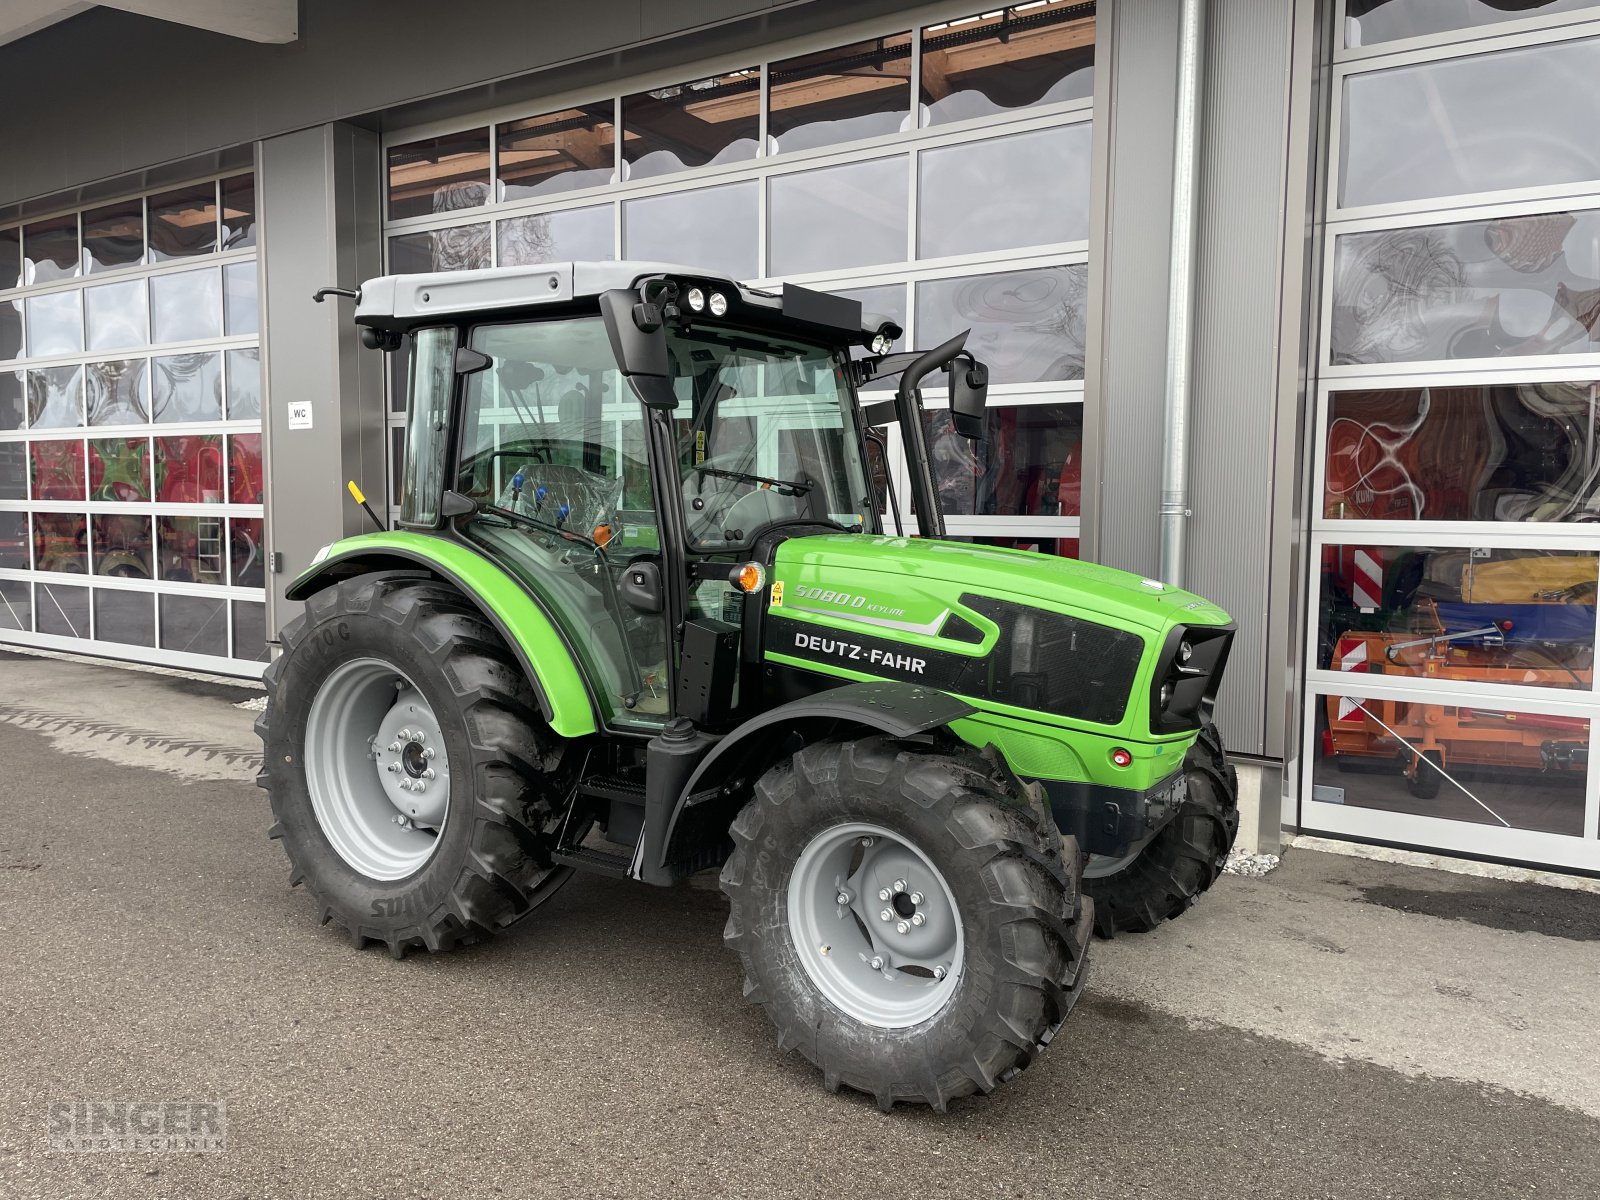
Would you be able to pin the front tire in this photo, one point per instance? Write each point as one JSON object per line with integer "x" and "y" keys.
{"x": 1185, "y": 857}
{"x": 467, "y": 852}
{"x": 904, "y": 1011}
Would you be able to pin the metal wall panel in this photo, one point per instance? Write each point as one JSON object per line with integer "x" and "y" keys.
{"x": 1237, "y": 322}
{"x": 319, "y": 205}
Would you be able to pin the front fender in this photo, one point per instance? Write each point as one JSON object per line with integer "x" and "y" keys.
{"x": 558, "y": 685}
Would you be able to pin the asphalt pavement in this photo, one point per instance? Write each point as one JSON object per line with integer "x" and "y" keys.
{"x": 1338, "y": 1028}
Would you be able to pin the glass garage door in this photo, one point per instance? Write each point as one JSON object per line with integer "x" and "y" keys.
{"x": 937, "y": 167}
{"x": 130, "y": 430}
{"x": 1456, "y": 546}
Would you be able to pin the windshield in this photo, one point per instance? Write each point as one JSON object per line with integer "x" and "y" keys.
{"x": 765, "y": 436}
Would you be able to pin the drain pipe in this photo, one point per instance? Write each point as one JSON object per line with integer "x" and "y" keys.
{"x": 1180, "y": 296}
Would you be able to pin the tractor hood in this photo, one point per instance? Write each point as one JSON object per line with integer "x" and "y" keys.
{"x": 899, "y": 582}
{"x": 1014, "y": 632}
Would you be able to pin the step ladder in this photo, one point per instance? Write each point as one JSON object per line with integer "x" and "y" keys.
{"x": 210, "y": 551}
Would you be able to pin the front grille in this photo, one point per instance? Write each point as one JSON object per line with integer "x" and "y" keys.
{"x": 1058, "y": 664}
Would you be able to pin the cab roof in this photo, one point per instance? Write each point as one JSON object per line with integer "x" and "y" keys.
{"x": 400, "y": 302}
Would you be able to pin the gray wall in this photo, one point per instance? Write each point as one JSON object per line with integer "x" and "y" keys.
{"x": 1244, "y": 178}
{"x": 319, "y": 195}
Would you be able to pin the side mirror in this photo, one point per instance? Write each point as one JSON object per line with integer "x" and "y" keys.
{"x": 640, "y": 587}
{"x": 638, "y": 337}
{"x": 969, "y": 396}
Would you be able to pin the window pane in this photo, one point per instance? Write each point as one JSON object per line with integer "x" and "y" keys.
{"x": 55, "y": 398}
{"x": 575, "y": 235}
{"x": 1501, "y": 288}
{"x": 16, "y": 601}
{"x": 10, "y": 257}
{"x": 194, "y": 625}
{"x": 245, "y": 482}
{"x": 192, "y": 549}
{"x": 14, "y": 540}
{"x": 188, "y": 387}
{"x": 189, "y": 471}
{"x": 250, "y": 630}
{"x": 856, "y": 91}
{"x": 1506, "y": 452}
{"x": 187, "y": 306}
{"x": 848, "y": 216}
{"x": 13, "y": 470}
{"x": 58, "y": 469}
{"x": 1031, "y": 464}
{"x": 1028, "y": 326}
{"x": 12, "y": 391}
{"x": 61, "y": 543}
{"x": 556, "y": 152}
{"x": 238, "y": 212}
{"x": 1512, "y": 119}
{"x": 128, "y": 617}
{"x": 711, "y": 228}
{"x": 248, "y": 550}
{"x": 1008, "y": 59}
{"x": 183, "y": 223}
{"x": 10, "y": 330}
{"x": 117, "y": 316}
{"x": 459, "y": 248}
{"x": 119, "y": 470}
{"x": 55, "y": 324}
{"x": 1479, "y": 615}
{"x": 239, "y": 291}
{"x": 1457, "y": 763}
{"x": 50, "y": 249}
{"x": 114, "y": 236}
{"x": 63, "y": 609}
{"x": 244, "y": 385}
{"x": 1370, "y": 21}
{"x": 123, "y": 546}
{"x": 118, "y": 392}
{"x": 439, "y": 174}
{"x": 709, "y": 121}
{"x": 1025, "y": 190}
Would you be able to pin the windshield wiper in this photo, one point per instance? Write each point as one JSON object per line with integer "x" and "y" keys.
{"x": 540, "y": 523}
{"x": 784, "y": 487}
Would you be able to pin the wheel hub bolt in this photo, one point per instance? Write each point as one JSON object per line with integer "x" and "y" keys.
{"x": 429, "y": 753}
{"x": 902, "y": 927}
{"x": 884, "y": 894}
{"x": 886, "y": 915}
{"x": 899, "y": 885}
{"x": 422, "y": 736}
{"x": 428, "y": 774}
{"x": 916, "y": 897}
{"x": 394, "y": 747}
{"x": 918, "y": 919}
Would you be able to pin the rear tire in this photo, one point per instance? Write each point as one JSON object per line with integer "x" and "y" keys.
{"x": 953, "y": 823}
{"x": 1423, "y": 780}
{"x": 1186, "y": 855}
{"x": 503, "y": 773}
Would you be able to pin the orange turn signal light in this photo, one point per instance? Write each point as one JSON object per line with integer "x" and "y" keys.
{"x": 748, "y": 577}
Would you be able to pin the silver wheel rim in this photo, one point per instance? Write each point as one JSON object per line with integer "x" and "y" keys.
{"x": 377, "y": 769}
{"x": 889, "y": 972}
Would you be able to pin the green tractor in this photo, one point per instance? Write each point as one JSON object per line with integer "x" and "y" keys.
{"x": 644, "y": 615}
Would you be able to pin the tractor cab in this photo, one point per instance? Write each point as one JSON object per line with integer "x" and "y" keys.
{"x": 631, "y": 441}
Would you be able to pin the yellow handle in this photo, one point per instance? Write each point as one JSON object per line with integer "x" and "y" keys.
{"x": 356, "y": 492}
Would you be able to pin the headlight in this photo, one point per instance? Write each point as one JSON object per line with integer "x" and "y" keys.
{"x": 1185, "y": 652}
{"x": 719, "y": 304}
{"x": 1166, "y": 694}
{"x": 697, "y": 299}
{"x": 882, "y": 344}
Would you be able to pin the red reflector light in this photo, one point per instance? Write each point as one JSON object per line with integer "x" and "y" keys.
{"x": 1121, "y": 758}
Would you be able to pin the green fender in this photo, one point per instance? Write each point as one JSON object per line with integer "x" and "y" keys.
{"x": 563, "y": 696}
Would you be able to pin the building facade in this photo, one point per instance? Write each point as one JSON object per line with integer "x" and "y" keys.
{"x": 1387, "y": 317}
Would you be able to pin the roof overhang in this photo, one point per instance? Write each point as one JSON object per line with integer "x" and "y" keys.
{"x": 254, "y": 20}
